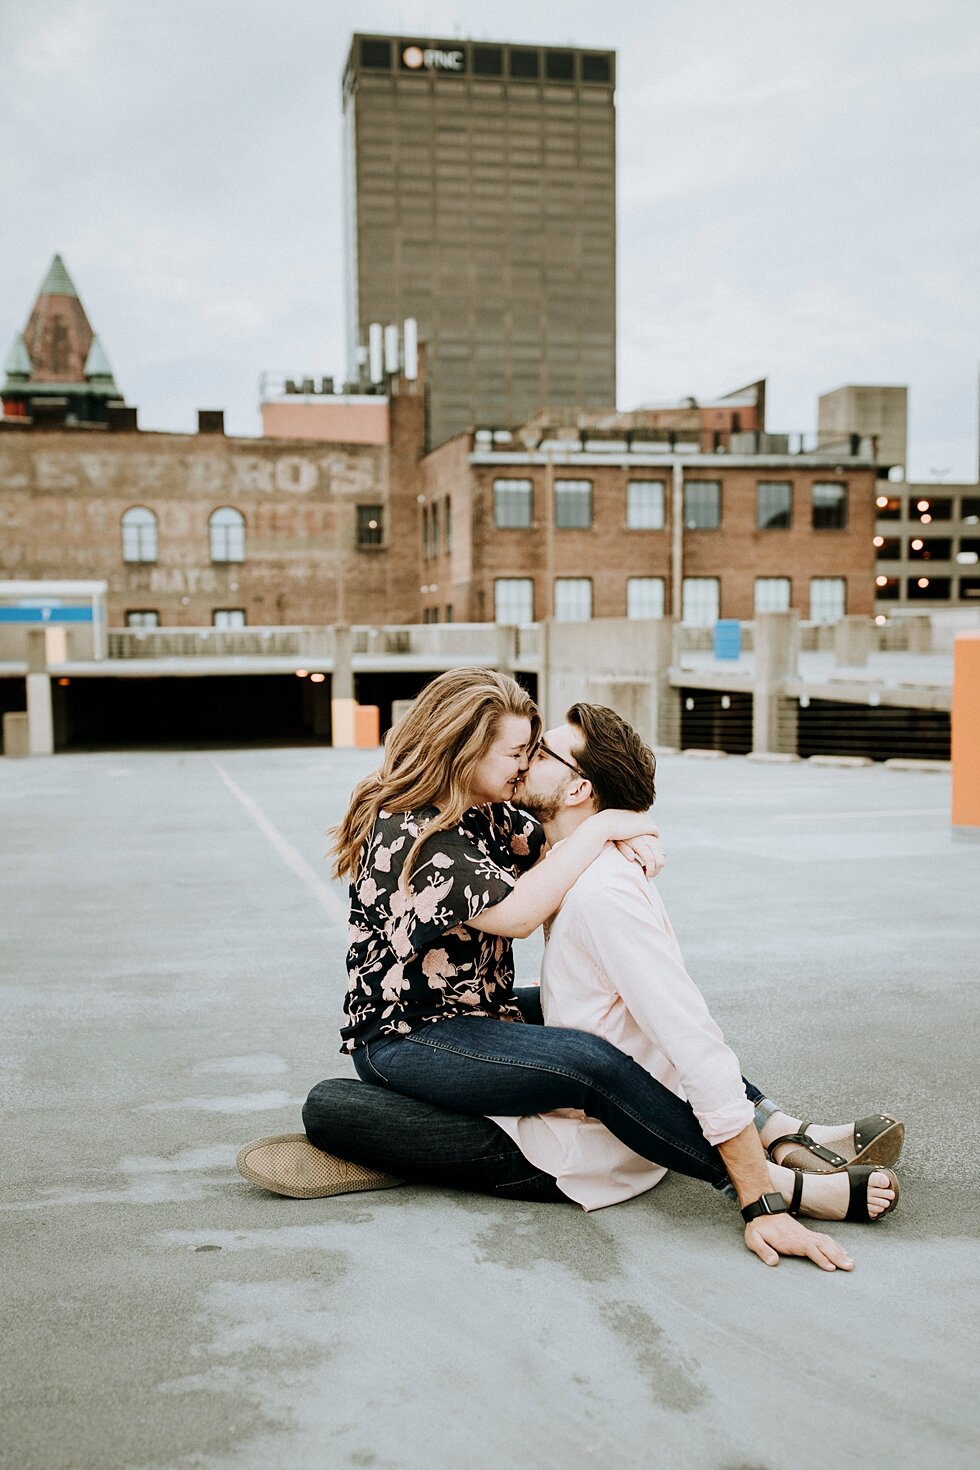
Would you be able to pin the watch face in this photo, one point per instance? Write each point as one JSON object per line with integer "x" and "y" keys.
{"x": 766, "y": 1204}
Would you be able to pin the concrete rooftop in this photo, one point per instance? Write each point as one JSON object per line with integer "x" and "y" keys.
{"x": 173, "y": 973}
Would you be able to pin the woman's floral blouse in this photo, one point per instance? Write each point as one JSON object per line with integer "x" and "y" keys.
{"x": 413, "y": 957}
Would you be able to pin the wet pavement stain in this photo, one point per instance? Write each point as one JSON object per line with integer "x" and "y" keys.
{"x": 673, "y": 1378}
{"x": 580, "y": 1246}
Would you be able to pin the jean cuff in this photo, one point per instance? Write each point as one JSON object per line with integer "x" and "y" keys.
{"x": 765, "y": 1109}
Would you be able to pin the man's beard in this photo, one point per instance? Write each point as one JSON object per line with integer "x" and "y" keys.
{"x": 544, "y": 806}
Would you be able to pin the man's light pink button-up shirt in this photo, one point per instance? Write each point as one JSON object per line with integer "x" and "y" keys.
{"x": 613, "y": 966}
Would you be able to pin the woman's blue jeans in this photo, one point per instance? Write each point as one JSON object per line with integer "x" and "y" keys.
{"x": 472, "y": 1064}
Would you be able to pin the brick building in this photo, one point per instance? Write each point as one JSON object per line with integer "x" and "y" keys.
{"x": 608, "y": 520}
{"x": 506, "y": 526}
{"x": 196, "y": 530}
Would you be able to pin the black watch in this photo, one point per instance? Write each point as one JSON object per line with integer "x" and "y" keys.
{"x": 766, "y": 1204}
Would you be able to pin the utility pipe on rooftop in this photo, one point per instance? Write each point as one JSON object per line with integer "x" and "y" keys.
{"x": 677, "y": 542}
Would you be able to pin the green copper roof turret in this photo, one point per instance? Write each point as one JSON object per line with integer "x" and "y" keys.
{"x": 18, "y": 364}
{"x": 57, "y": 282}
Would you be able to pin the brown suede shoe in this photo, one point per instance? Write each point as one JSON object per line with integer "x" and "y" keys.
{"x": 287, "y": 1163}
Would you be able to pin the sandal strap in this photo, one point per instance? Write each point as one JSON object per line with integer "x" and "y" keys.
{"x": 858, "y": 1177}
{"x": 804, "y": 1140}
{"x": 797, "y": 1200}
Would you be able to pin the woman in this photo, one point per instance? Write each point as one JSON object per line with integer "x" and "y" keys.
{"x": 444, "y": 873}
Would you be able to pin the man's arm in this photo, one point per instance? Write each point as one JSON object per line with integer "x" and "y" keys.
{"x": 539, "y": 892}
{"x": 622, "y": 928}
{"x": 772, "y": 1236}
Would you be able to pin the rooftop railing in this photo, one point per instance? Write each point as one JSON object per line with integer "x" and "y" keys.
{"x": 451, "y": 643}
{"x": 681, "y": 441}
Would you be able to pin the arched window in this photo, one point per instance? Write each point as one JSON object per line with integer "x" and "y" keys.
{"x": 227, "y": 528}
{"x": 139, "y": 534}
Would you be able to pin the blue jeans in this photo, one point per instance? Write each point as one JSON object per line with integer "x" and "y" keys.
{"x": 422, "y": 1143}
{"x": 473, "y": 1064}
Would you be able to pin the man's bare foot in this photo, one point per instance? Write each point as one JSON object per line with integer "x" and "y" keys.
{"x": 883, "y": 1145}
{"x": 826, "y": 1196}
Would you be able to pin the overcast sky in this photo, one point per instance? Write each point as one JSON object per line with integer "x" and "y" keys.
{"x": 797, "y": 192}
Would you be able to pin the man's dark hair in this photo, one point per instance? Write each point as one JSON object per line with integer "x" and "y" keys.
{"x": 612, "y": 756}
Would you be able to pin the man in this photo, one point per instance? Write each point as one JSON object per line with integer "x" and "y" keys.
{"x": 612, "y": 966}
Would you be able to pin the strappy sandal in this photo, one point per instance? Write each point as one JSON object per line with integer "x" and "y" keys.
{"x": 858, "y": 1179}
{"x": 877, "y": 1140}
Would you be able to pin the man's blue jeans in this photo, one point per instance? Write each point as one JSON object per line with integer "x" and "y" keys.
{"x": 421, "y": 1143}
{"x": 474, "y": 1065}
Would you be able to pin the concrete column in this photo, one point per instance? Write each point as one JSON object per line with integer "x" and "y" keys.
{"x": 664, "y": 716}
{"x": 609, "y": 661}
{"x": 343, "y": 706}
{"x": 505, "y": 637}
{"x": 40, "y": 713}
{"x": 777, "y": 653}
{"x": 965, "y": 744}
{"x": 853, "y": 641}
{"x": 919, "y": 627}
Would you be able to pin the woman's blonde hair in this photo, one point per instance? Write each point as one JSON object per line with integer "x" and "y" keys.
{"x": 430, "y": 759}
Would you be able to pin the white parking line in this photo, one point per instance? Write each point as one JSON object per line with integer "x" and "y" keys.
{"x": 295, "y": 861}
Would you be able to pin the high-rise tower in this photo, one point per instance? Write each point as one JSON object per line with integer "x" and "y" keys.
{"x": 481, "y": 185}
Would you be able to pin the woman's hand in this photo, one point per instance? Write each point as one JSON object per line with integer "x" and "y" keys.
{"x": 616, "y": 825}
{"x": 647, "y": 852}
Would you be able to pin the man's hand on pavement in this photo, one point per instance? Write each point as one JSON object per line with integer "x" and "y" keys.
{"x": 772, "y": 1236}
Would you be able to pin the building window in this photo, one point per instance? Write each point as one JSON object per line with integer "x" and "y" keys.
{"x": 702, "y": 505}
{"x": 933, "y": 508}
{"x": 447, "y": 528}
{"x": 228, "y": 617}
{"x": 425, "y": 533}
{"x": 573, "y": 599}
{"x": 370, "y": 527}
{"x": 139, "y": 534}
{"x": 488, "y": 61}
{"x": 888, "y": 507}
{"x": 644, "y": 597}
{"x": 559, "y": 66}
{"x": 970, "y": 510}
{"x": 827, "y": 599}
{"x": 376, "y": 55}
{"x": 434, "y": 529}
{"x": 888, "y": 588}
{"x": 450, "y": 616}
{"x": 512, "y": 504}
{"x": 700, "y": 601}
{"x": 888, "y": 548}
{"x": 970, "y": 587}
{"x": 930, "y": 548}
{"x": 772, "y": 594}
{"x": 573, "y": 505}
{"x": 524, "y": 63}
{"x": 513, "y": 600}
{"x": 596, "y": 69}
{"x": 227, "y": 528}
{"x": 773, "y": 505}
{"x": 928, "y": 589}
{"x": 143, "y": 617}
{"x": 645, "y": 505}
{"x": 829, "y": 506}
